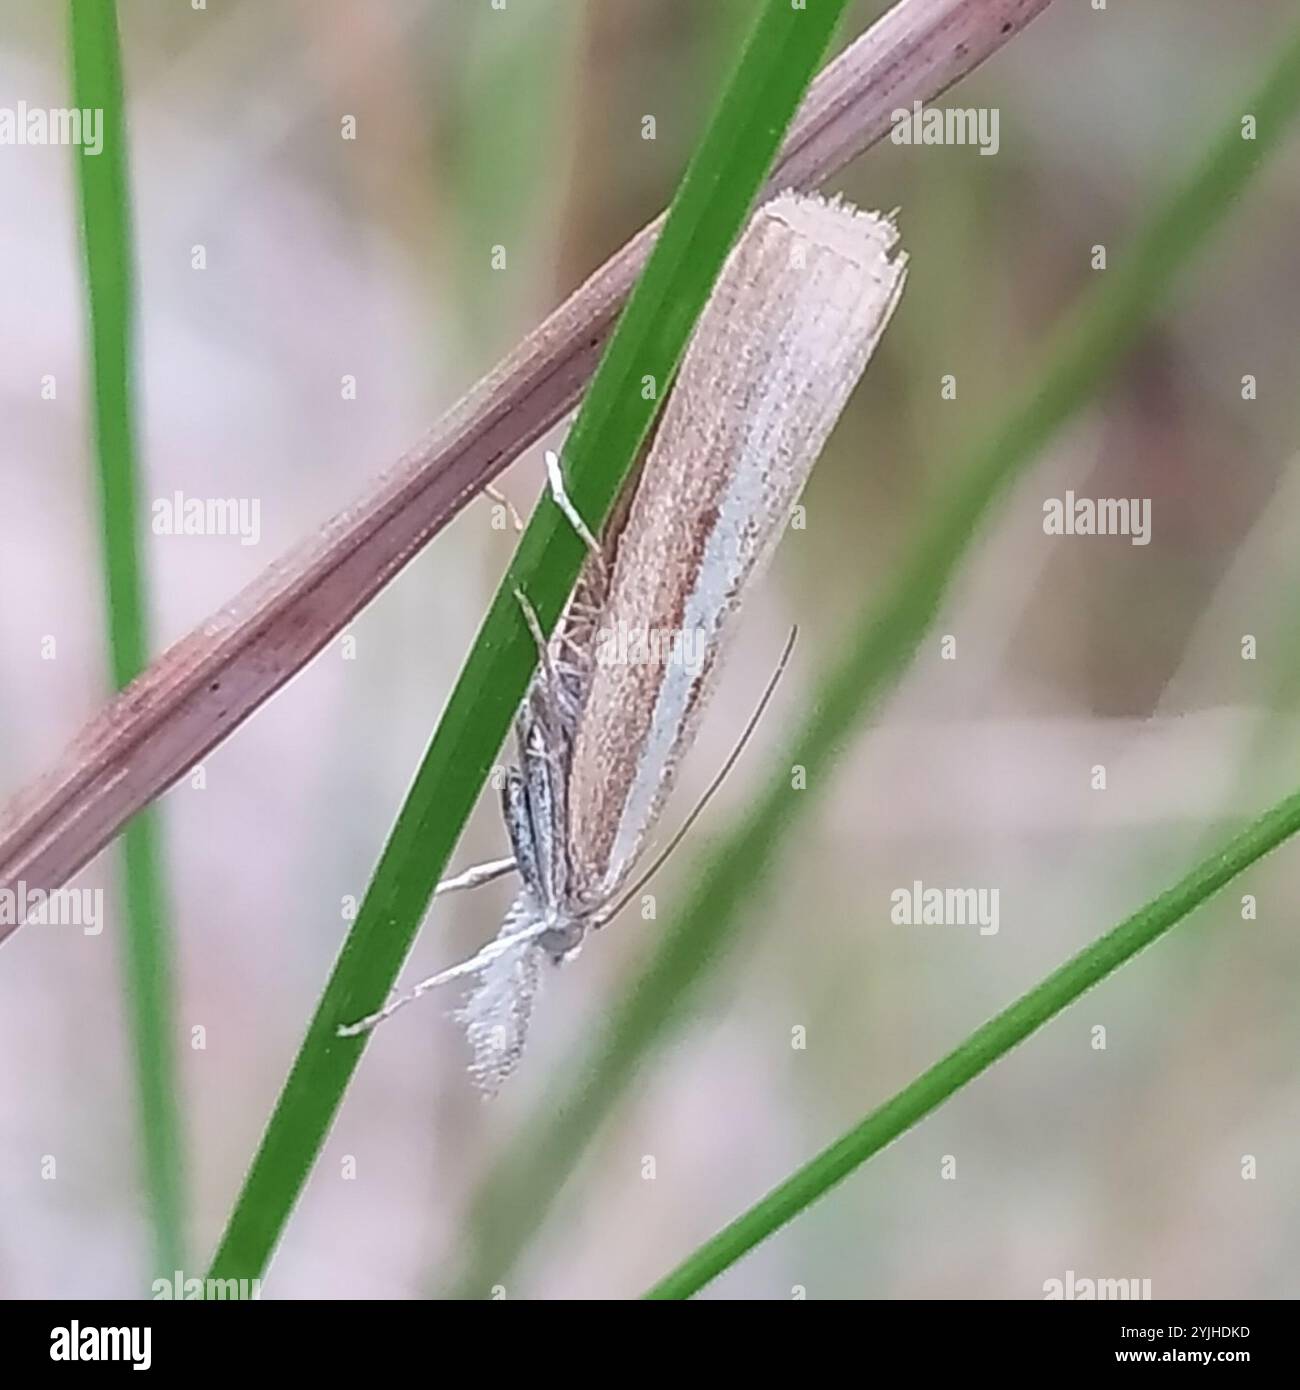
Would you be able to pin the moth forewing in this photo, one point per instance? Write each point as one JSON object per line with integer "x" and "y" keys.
{"x": 797, "y": 311}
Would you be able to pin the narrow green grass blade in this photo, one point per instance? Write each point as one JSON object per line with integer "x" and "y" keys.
{"x": 514, "y": 1199}
{"x": 147, "y": 959}
{"x": 712, "y": 203}
{"x": 984, "y": 1047}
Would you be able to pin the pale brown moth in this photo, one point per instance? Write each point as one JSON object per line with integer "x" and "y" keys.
{"x": 797, "y": 311}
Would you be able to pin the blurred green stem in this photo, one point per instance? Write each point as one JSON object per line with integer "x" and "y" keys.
{"x": 147, "y": 953}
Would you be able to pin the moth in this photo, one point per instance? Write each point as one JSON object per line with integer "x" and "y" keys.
{"x": 622, "y": 683}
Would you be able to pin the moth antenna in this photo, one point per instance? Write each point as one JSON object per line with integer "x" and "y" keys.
{"x": 712, "y": 787}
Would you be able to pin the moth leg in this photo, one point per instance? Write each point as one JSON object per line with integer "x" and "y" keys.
{"x": 502, "y": 500}
{"x": 510, "y": 941}
{"x": 554, "y": 701}
{"x": 475, "y": 876}
{"x": 560, "y": 496}
{"x": 534, "y": 624}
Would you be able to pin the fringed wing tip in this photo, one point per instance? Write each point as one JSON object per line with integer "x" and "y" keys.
{"x": 496, "y": 1015}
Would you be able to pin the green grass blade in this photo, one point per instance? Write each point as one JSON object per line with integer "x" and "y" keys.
{"x": 106, "y": 238}
{"x": 515, "y": 1197}
{"x": 712, "y": 203}
{"x": 984, "y": 1047}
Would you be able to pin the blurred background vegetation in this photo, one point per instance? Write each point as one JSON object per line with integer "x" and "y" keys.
{"x": 372, "y": 257}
